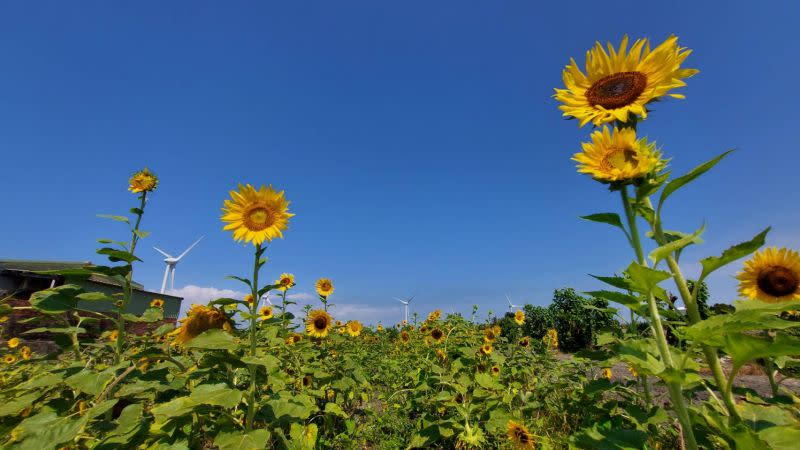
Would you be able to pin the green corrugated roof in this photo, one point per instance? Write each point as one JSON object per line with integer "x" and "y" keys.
{"x": 31, "y": 265}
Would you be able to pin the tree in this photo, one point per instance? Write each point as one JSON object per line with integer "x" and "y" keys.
{"x": 576, "y": 324}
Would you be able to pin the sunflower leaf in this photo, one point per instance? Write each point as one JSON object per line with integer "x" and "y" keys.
{"x": 609, "y": 218}
{"x": 740, "y": 250}
{"x": 679, "y": 182}
{"x": 676, "y": 245}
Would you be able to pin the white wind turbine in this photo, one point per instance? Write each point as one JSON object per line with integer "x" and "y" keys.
{"x": 511, "y": 306}
{"x": 405, "y": 306}
{"x": 171, "y": 262}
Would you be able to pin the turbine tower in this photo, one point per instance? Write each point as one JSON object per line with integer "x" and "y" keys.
{"x": 511, "y": 306}
{"x": 171, "y": 262}
{"x": 405, "y": 306}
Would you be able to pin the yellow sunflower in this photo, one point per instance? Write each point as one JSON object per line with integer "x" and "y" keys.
{"x": 324, "y": 287}
{"x": 486, "y": 349}
{"x": 489, "y": 335}
{"x": 771, "y": 275}
{"x": 13, "y": 342}
{"x": 518, "y": 435}
{"x": 495, "y": 370}
{"x": 294, "y": 338}
{"x": 354, "y": 328}
{"x": 266, "y": 313}
{"x": 633, "y": 371}
{"x": 201, "y": 318}
{"x": 256, "y": 215}
{"x": 434, "y": 316}
{"x": 519, "y": 317}
{"x": 307, "y": 380}
{"x": 551, "y": 338}
{"x": 318, "y": 323}
{"x": 379, "y": 327}
{"x": 9, "y": 359}
{"x": 142, "y": 181}
{"x": 607, "y": 373}
{"x": 441, "y": 354}
{"x": 617, "y": 156}
{"x": 113, "y": 336}
{"x": 249, "y": 299}
{"x": 619, "y": 84}
{"x": 285, "y": 281}
{"x": 437, "y": 335}
{"x": 157, "y": 303}
{"x": 25, "y": 352}
{"x": 423, "y": 328}
{"x": 497, "y": 330}
{"x": 405, "y": 337}
{"x": 525, "y": 341}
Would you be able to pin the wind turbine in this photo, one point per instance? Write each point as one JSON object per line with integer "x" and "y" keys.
{"x": 511, "y": 306}
{"x": 171, "y": 262}
{"x": 405, "y": 306}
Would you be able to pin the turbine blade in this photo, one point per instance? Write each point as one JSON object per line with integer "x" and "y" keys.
{"x": 163, "y": 252}
{"x": 190, "y": 247}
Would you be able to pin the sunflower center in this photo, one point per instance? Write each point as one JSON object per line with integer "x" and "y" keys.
{"x": 325, "y": 286}
{"x": 778, "y": 281}
{"x": 320, "y": 323}
{"x": 617, "y": 90}
{"x": 522, "y": 436}
{"x": 259, "y": 217}
{"x": 619, "y": 158}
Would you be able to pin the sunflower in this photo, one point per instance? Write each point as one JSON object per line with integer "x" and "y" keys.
{"x": 495, "y": 370}
{"x": 354, "y": 328}
{"x": 405, "y": 337}
{"x": 199, "y": 319}
{"x": 294, "y": 338}
{"x": 318, "y": 323}
{"x": 551, "y": 338}
{"x": 285, "y": 281}
{"x": 497, "y": 330}
{"x": 620, "y": 84}
{"x": 434, "y": 315}
{"x": 423, "y": 328}
{"x": 489, "y": 335}
{"x": 518, "y": 435}
{"x": 441, "y": 354}
{"x": 616, "y": 156}
{"x": 9, "y": 359}
{"x": 249, "y": 299}
{"x": 25, "y": 352}
{"x": 324, "y": 287}
{"x": 633, "y": 371}
{"x": 607, "y": 373}
{"x": 519, "y": 317}
{"x": 437, "y": 335}
{"x": 143, "y": 181}
{"x": 113, "y": 336}
{"x": 307, "y": 381}
{"x": 13, "y": 342}
{"x": 157, "y": 303}
{"x": 771, "y": 275}
{"x": 256, "y": 215}
{"x": 265, "y": 313}
{"x": 525, "y": 341}
{"x": 486, "y": 349}
{"x": 379, "y": 327}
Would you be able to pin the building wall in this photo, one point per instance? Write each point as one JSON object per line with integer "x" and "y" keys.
{"x": 140, "y": 300}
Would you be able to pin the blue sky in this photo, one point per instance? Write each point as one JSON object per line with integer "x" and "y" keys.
{"x": 418, "y": 141}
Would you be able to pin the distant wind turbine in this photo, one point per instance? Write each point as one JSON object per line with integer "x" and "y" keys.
{"x": 405, "y": 306}
{"x": 171, "y": 261}
{"x": 511, "y": 306}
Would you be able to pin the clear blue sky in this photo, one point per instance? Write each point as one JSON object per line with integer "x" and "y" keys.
{"x": 418, "y": 141}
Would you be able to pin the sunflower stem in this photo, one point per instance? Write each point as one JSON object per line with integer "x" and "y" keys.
{"x": 675, "y": 389}
{"x": 127, "y": 287}
{"x": 251, "y": 403}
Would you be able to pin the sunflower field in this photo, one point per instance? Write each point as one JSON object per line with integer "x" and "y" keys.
{"x": 238, "y": 375}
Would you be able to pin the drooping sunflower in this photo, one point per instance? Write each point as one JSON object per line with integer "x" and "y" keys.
{"x": 519, "y": 317}
{"x": 405, "y": 337}
{"x": 13, "y": 342}
{"x": 525, "y": 341}
{"x": 437, "y": 335}
{"x": 354, "y": 328}
{"x": 199, "y": 319}
{"x": 324, "y": 287}
{"x": 771, "y": 275}
{"x": 618, "y": 157}
{"x": 142, "y": 181}
{"x": 489, "y": 335}
{"x": 619, "y": 84}
{"x": 318, "y": 323}
{"x": 25, "y": 352}
{"x": 486, "y": 349}
{"x": 518, "y": 435}
{"x": 434, "y": 315}
{"x": 265, "y": 313}
{"x": 256, "y": 215}
{"x": 157, "y": 303}
{"x": 285, "y": 281}
{"x": 9, "y": 358}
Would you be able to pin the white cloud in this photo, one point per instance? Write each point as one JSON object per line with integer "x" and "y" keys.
{"x": 301, "y": 296}
{"x": 202, "y": 295}
{"x": 368, "y": 314}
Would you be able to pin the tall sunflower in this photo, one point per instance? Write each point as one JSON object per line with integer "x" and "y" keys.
{"x": 619, "y": 84}
{"x": 518, "y": 435}
{"x": 318, "y": 323}
{"x": 324, "y": 287}
{"x": 142, "y": 181}
{"x": 256, "y": 215}
{"x": 201, "y": 318}
{"x": 285, "y": 281}
{"x": 771, "y": 275}
{"x": 618, "y": 157}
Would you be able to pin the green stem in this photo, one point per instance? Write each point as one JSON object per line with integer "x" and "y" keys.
{"x": 251, "y": 404}
{"x": 127, "y": 288}
{"x": 675, "y": 389}
{"x": 284, "y": 323}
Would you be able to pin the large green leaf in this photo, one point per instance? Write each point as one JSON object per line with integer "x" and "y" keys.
{"x": 740, "y": 250}
{"x": 676, "y": 245}
{"x": 90, "y": 382}
{"x": 292, "y": 407}
{"x": 239, "y": 440}
{"x": 608, "y": 218}
{"x": 56, "y": 300}
{"x": 679, "y": 182}
{"x": 216, "y": 394}
{"x": 603, "y": 438}
{"x": 96, "y": 297}
{"x": 743, "y": 347}
{"x": 173, "y": 408}
{"x": 47, "y": 430}
{"x": 14, "y": 406}
{"x": 644, "y": 279}
{"x": 781, "y": 437}
{"x": 711, "y": 331}
{"x": 268, "y": 361}
{"x": 214, "y": 339}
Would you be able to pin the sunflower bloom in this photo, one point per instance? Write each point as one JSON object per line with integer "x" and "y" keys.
{"x": 294, "y": 338}
{"x": 142, "y": 181}
{"x": 25, "y": 352}
{"x": 379, "y": 327}
{"x": 405, "y": 337}
{"x": 607, "y": 373}
{"x": 525, "y": 342}
{"x": 157, "y": 303}
{"x": 616, "y": 156}
{"x": 633, "y": 371}
{"x": 518, "y": 435}
{"x": 265, "y": 313}
{"x": 434, "y": 315}
{"x": 9, "y": 359}
{"x": 249, "y": 299}
{"x": 199, "y": 319}
{"x": 495, "y": 370}
{"x": 519, "y": 317}
{"x": 437, "y": 335}
{"x": 486, "y": 349}
{"x": 256, "y": 215}
{"x": 113, "y": 336}
{"x": 354, "y": 328}
{"x": 441, "y": 354}
{"x": 619, "y": 84}
{"x": 318, "y": 323}
{"x": 489, "y": 335}
{"x": 771, "y": 275}
{"x": 324, "y": 287}
{"x": 551, "y": 338}
{"x": 13, "y": 342}
{"x": 285, "y": 281}
{"x": 307, "y": 380}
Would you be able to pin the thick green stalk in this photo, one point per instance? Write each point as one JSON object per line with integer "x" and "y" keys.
{"x": 675, "y": 389}
{"x": 127, "y": 288}
{"x": 251, "y": 404}
{"x": 284, "y": 323}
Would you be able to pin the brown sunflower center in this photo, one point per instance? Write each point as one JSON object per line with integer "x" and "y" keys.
{"x": 325, "y": 286}
{"x": 620, "y": 159}
{"x": 778, "y": 281}
{"x": 320, "y": 323}
{"x": 436, "y": 334}
{"x": 522, "y": 436}
{"x": 286, "y": 281}
{"x": 259, "y": 217}
{"x": 617, "y": 90}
